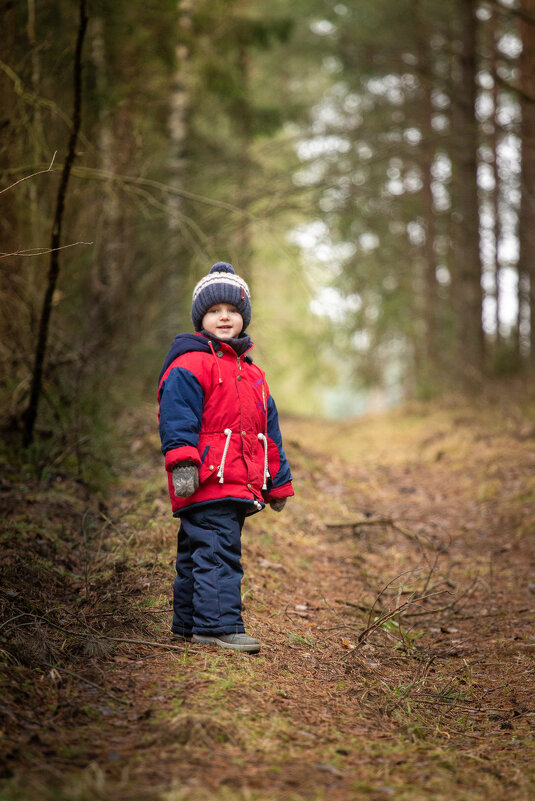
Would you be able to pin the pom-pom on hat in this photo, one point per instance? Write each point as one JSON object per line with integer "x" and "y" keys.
{"x": 221, "y": 285}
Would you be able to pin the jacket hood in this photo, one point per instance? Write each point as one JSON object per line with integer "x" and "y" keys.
{"x": 188, "y": 343}
{"x": 184, "y": 343}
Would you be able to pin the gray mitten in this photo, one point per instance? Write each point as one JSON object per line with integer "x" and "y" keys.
{"x": 185, "y": 479}
{"x": 278, "y": 504}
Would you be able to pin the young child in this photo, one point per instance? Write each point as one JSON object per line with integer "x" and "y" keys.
{"x": 223, "y": 455}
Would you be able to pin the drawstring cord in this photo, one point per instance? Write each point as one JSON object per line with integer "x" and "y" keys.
{"x": 217, "y": 362}
{"x": 266, "y": 470}
{"x": 227, "y": 433}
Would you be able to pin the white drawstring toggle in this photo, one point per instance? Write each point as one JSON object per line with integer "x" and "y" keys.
{"x": 266, "y": 470}
{"x": 227, "y": 433}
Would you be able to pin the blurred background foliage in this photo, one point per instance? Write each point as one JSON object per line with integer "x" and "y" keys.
{"x": 369, "y": 168}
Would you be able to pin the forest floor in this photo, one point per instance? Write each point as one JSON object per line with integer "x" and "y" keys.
{"x": 394, "y": 598}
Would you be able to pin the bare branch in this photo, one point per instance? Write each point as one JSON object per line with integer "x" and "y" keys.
{"x": 447, "y": 607}
{"x": 379, "y": 521}
{"x": 41, "y": 251}
{"x": 389, "y": 615}
{"x": 373, "y": 607}
{"x": 171, "y": 190}
{"x": 33, "y": 99}
{"x": 92, "y": 634}
{"x": 383, "y": 521}
{"x": 92, "y": 684}
{"x": 33, "y": 175}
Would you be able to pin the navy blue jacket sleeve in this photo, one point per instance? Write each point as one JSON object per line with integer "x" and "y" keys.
{"x": 283, "y": 475}
{"x": 181, "y": 409}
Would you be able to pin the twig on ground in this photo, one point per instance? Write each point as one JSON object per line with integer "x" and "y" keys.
{"x": 92, "y": 634}
{"x": 373, "y": 607}
{"x": 380, "y": 521}
{"x": 389, "y": 615}
{"x": 362, "y": 607}
{"x": 447, "y": 607}
{"x": 10, "y": 620}
{"x": 431, "y": 571}
{"x": 477, "y": 711}
{"x": 92, "y": 684}
{"x": 411, "y": 535}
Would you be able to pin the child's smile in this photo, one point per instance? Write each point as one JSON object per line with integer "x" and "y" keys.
{"x": 223, "y": 321}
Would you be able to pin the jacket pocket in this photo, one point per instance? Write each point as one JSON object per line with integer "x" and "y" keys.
{"x": 208, "y": 450}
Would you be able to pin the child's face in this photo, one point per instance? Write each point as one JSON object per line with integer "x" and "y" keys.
{"x": 223, "y": 321}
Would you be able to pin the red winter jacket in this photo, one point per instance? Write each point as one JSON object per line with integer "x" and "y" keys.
{"x": 215, "y": 410}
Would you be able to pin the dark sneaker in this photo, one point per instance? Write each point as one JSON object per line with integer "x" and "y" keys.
{"x": 180, "y": 637}
{"x": 236, "y": 642}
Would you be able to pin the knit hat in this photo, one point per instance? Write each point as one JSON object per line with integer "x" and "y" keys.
{"x": 221, "y": 285}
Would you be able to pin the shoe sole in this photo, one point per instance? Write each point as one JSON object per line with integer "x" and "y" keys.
{"x": 249, "y": 649}
{"x": 180, "y": 637}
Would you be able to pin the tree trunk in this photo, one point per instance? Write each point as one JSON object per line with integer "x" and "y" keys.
{"x": 174, "y": 269}
{"x": 177, "y": 124}
{"x": 243, "y": 235}
{"x": 55, "y": 240}
{"x": 12, "y": 283}
{"x": 526, "y": 222}
{"x": 105, "y": 274}
{"x": 37, "y": 125}
{"x": 467, "y": 265}
{"x": 430, "y": 310}
{"x": 496, "y": 192}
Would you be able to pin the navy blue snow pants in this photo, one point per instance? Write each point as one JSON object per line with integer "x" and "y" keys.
{"x": 207, "y": 597}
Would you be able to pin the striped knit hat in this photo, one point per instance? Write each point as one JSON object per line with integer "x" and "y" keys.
{"x": 221, "y": 285}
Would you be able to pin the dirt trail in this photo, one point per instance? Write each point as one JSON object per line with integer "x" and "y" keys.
{"x": 430, "y": 512}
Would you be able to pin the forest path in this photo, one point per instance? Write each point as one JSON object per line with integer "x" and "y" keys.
{"x": 430, "y": 511}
